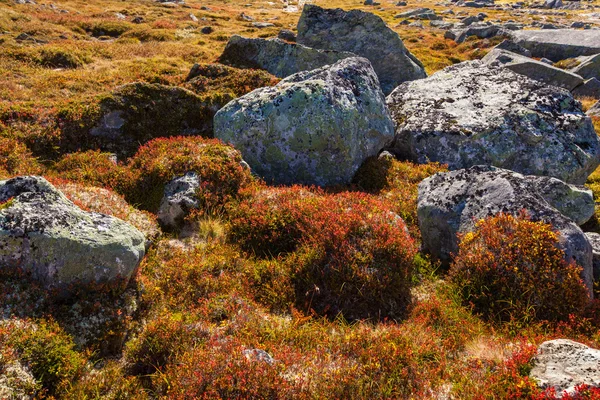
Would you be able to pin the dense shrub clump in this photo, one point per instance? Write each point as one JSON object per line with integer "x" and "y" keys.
{"x": 512, "y": 268}
{"x": 348, "y": 253}
{"x": 16, "y": 159}
{"x": 222, "y": 174}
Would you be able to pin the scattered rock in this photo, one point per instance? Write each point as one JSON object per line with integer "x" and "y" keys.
{"x": 513, "y": 47}
{"x": 533, "y": 69}
{"x": 60, "y": 245}
{"x": 563, "y": 364}
{"x": 471, "y": 114}
{"x": 257, "y": 355}
{"x": 179, "y": 199}
{"x": 207, "y": 30}
{"x": 287, "y": 35}
{"x": 276, "y": 56}
{"x": 594, "y": 239}
{"x": 589, "y": 67}
{"x": 559, "y": 44}
{"x": 452, "y": 202}
{"x": 482, "y": 31}
{"x": 364, "y": 34}
{"x": 589, "y": 88}
{"x": 314, "y": 127}
{"x": 262, "y": 25}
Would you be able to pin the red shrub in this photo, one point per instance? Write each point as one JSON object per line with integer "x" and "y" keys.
{"x": 512, "y": 268}
{"x": 16, "y": 159}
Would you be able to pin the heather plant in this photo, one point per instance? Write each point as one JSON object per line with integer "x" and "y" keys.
{"x": 16, "y": 159}
{"x": 217, "y": 78}
{"x": 222, "y": 175}
{"x": 511, "y": 268}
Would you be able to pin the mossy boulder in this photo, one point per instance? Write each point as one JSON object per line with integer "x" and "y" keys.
{"x": 45, "y": 235}
{"x": 314, "y": 127}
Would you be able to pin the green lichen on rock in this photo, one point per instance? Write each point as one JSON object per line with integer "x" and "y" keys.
{"x": 314, "y": 127}
{"x": 43, "y": 234}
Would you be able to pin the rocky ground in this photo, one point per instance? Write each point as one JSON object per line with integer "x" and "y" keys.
{"x": 255, "y": 199}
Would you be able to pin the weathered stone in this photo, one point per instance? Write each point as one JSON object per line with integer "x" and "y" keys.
{"x": 482, "y": 31}
{"x": 589, "y": 88}
{"x": 412, "y": 13}
{"x": 314, "y": 127}
{"x": 594, "y": 239}
{"x": 60, "y": 245}
{"x": 559, "y": 44}
{"x": 287, "y": 35}
{"x": 563, "y": 364}
{"x": 452, "y": 202}
{"x": 594, "y": 110}
{"x": 276, "y": 56}
{"x": 179, "y": 199}
{"x": 533, "y": 69}
{"x": 364, "y": 34}
{"x": 470, "y": 114}
{"x": 589, "y": 67}
{"x": 513, "y": 47}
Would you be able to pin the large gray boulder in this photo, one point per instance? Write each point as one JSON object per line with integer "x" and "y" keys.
{"x": 532, "y": 68}
{"x": 60, "y": 245}
{"x": 364, "y": 34}
{"x": 563, "y": 364}
{"x": 589, "y": 88}
{"x": 314, "y": 127}
{"x": 589, "y": 67}
{"x": 559, "y": 44}
{"x": 471, "y": 114}
{"x": 276, "y": 56}
{"x": 451, "y": 203}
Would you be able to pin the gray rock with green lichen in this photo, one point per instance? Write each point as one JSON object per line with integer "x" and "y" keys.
{"x": 314, "y": 127}
{"x": 472, "y": 114}
{"x": 450, "y": 203}
{"x": 276, "y": 56}
{"x": 364, "y": 34}
{"x": 60, "y": 245}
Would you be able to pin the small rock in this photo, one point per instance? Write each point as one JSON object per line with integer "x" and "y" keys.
{"x": 207, "y": 30}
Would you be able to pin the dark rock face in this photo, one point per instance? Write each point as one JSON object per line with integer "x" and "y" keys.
{"x": 594, "y": 239}
{"x": 470, "y": 114}
{"x": 559, "y": 44}
{"x": 180, "y": 197}
{"x": 452, "y": 202}
{"x": 589, "y": 88}
{"x": 44, "y": 234}
{"x": 314, "y": 127}
{"x": 589, "y": 68}
{"x": 276, "y": 56}
{"x": 364, "y": 34}
{"x": 533, "y": 69}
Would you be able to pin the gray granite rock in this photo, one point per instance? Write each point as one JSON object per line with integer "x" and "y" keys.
{"x": 314, "y": 127}
{"x": 594, "y": 239}
{"x": 589, "y": 67}
{"x": 471, "y": 114}
{"x": 179, "y": 199}
{"x": 559, "y": 44}
{"x": 589, "y": 88}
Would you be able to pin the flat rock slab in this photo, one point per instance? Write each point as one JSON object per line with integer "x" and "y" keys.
{"x": 452, "y": 202}
{"x": 589, "y": 67}
{"x": 559, "y": 44}
{"x": 45, "y": 234}
{"x": 276, "y": 56}
{"x": 589, "y": 88}
{"x": 532, "y": 69}
{"x": 314, "y": 127}
{"x": 471, "y": 114}
{"x": 564, "y": 364}
{"x": 364, "y": 34}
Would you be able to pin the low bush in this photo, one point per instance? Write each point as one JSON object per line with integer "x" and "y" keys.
{"x": 511, "y": 268}
{"x": 16, "y": 159}
{"x": 217, "y": 78}
{"x": 219, "y": 167}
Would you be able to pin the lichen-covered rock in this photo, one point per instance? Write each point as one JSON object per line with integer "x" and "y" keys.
{"x": 559, "y": 44}
{"x": 180, "y": 197}
{"x": 532, "y": 69}
{"x": 314, "y": 127}
{"x": 471, "y": 114}
{"x": 452, "y": 202}
{"x": 364, "y": 34}
{"x": 482, "y": 31}
{"x": 276, "y": 56}
{"x": 563, "y": 364}
{"x": 60, "y": 245}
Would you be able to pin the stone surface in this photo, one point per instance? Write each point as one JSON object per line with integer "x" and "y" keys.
{"x": 513, "y": 47}
{"x": 276, "y": 56}
{"x": 482, "y": 31}
{"x": 470, "y": 114}
{"x": 589, "y": 88}
{"x": 533, "y": 69}
{"x": 46, "y": 235}
{"x": 589, "y": 67}
{"x": 452, "y": 202}
{"x": 364, "y": 34}
{"x": 594, "y": 110}
{"x": 180, "y": 197}
{"x": 559, "y": 44}
{"x": 594, "y": 239}
{"x": 564, "y": 364}
{"x": 314, "y": 127}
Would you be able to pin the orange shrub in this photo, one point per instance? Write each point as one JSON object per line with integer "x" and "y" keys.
{"x": 16, "y": 159}
{"x": 511, "y": 268}
{"x": 352, "y": 255}
{"x": 218, "y": 165}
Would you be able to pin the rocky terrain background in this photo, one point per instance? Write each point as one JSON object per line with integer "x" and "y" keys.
{"x": 299, "y": 199}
